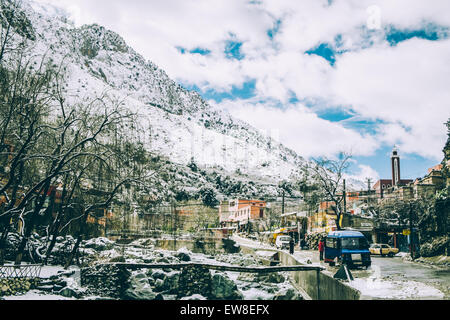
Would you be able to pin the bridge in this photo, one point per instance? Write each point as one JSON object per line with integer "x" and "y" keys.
{"x": 219, "y": 267}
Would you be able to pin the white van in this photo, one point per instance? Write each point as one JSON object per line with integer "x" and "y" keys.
{"x": 282, "y": 242}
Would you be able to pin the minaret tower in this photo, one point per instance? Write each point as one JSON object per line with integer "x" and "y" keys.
{"x": 395, "y": 160}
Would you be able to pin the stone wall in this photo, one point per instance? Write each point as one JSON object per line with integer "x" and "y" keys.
{"x": 14, "y": 286}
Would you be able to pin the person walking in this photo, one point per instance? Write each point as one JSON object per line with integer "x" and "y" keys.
{"x": 291, "y": 246}
{"x": 321, "y": 249}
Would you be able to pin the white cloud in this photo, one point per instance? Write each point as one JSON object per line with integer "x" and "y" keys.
{"x": 363, "y": 173}
{"x": 302, "y": 130}
{"x": 405, "y": 87}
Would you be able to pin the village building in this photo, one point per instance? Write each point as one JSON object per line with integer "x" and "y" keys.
{"x": 386, "y": 186}
{"x": 324, "y": 220}
{"x": 241, "y": 212}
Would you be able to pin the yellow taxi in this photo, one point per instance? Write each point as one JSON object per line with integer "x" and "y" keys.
{"x": 383, "y": 250}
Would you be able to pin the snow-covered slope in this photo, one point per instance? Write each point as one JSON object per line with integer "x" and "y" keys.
{"x": 175, "y": 122}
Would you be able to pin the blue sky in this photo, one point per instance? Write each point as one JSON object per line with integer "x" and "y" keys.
{"x": 413, "y": 165}
{"x": 328, "y": 76}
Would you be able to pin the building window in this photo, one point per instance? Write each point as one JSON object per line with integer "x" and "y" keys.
{"x": 261, "y": 213}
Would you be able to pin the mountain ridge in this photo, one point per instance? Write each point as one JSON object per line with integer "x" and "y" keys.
{"x": 175, "y": 123}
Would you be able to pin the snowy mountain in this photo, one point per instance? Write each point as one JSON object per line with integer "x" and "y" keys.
{"x": 175, "y": 123}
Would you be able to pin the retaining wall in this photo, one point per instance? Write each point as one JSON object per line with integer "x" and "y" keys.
{"x": 317, "y": 284}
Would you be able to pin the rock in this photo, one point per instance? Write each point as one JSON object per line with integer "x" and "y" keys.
{"x": 68, "y": 293}
{"x": 139, "y": 276}
{"x": 57, "y": 288}
{"x": 183, "y": 256}
{"x": 46, "y": 288}
{"x": 270, "y": 289}
{"x": 194, "y": 280}
{"x": 248, "y": 277}
{"x": 194, "y": 297}
{"x": 159, "y": 296}
{"x": 170, "y": 283}
{"x": 273, "y": 277}
{"x": 99, "y": 244}
{"x": 158, "y": 274}
{"x": 287, "y": 294}
{"x": 159, "y": 285}
{"x": 118, "y": 259}
{"x": 139, "y": 289}
{"x": 230, "y": 246}
{"x": 222, "y": 288}
{"x": 163, "y": 260}
{"x": 435, "y": 247}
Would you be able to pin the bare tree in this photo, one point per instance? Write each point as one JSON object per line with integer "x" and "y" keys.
{"x": 330, "y": 177}
{"x": 15, "y": 28}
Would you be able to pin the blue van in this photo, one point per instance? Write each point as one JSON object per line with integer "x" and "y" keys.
{"x": 347, "y": 247}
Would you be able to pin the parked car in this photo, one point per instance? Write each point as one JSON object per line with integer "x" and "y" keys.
{"x": 282, "y": 242}
{"x": 347, "y": 247}
{"x": 383, "y": 250}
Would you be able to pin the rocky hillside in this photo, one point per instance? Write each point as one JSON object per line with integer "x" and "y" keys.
{"x": 175, "y": 124}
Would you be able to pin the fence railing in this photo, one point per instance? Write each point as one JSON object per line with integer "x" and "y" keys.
{"x": 221, "y": 267}
{"x": 20, "y": 271}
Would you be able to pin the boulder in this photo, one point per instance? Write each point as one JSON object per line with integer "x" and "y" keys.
{"x": 99, "y": 244}
{"x": 273, "y": 277}
{"x": 247, "y": 277}
{"x": 69, "y": 293}
{"x": 435, "y": 247}
{"x": 139, "y": 289}
{"x": 183, "y": 256}
{"x": 222, "y": 288}
{"x": 159, "y": 296}
{"x": 159, "y": 285}
{"x": 163, "y": 260}
{"x": 194, "y": 280}
{"x": 288, "y": 294}
{"x": 158, "y": 274}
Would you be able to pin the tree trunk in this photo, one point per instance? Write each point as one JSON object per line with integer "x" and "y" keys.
{"x": 72, "y": 255}
{"x": 74, "y": 251}
{"x": 3, "y": 243}
{"x": 31, "y": 224}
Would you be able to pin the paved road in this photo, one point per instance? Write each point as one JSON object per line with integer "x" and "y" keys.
{"x": 388, "y": 278}
{"x": 395, "y": 269}
{"x": 395, "y": 278}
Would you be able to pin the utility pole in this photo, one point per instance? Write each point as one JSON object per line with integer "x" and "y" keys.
{"x": 345, "y": 199}
{"x": 369, "y": 183}
{"x": 345, "y": 208}
{"x": 411, "y": 248}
